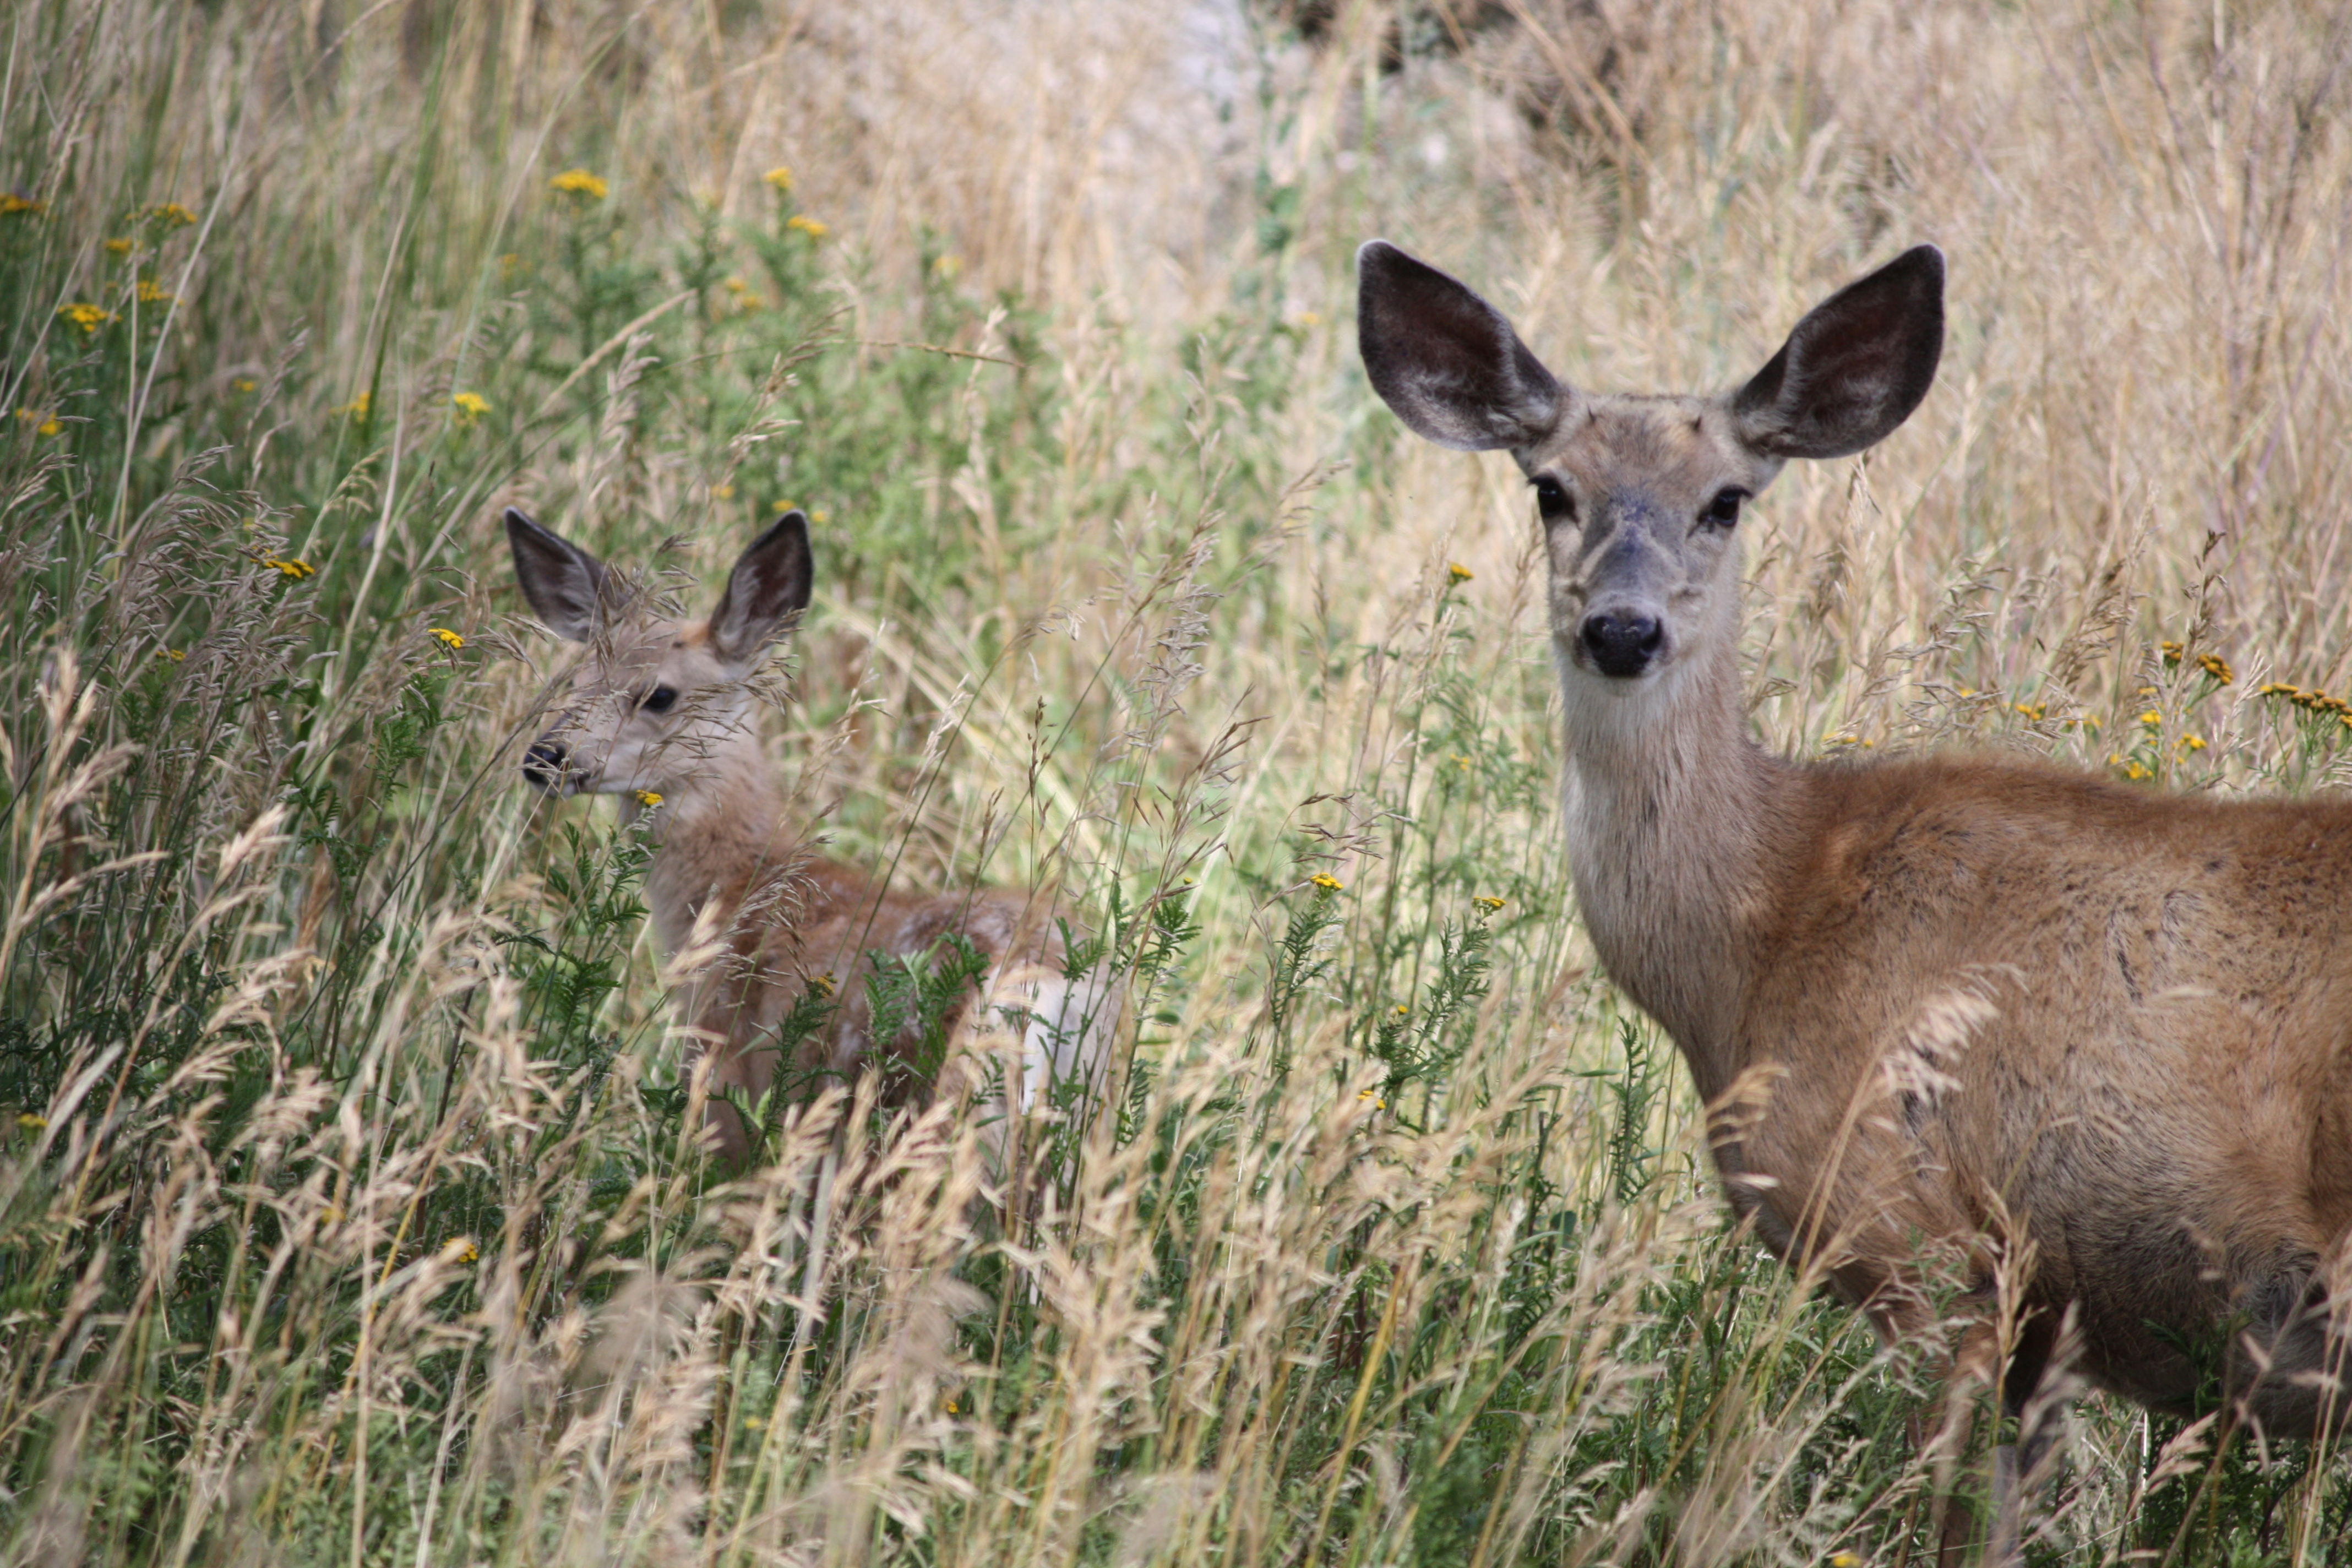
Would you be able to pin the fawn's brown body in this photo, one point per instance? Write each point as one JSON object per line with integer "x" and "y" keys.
{"x": 2106, "y": 1030}
{"x": 660, "y": 716}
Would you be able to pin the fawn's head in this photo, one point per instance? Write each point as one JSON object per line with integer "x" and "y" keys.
{"x": 1641, "y": 497}
{"x": 657, "y": 705}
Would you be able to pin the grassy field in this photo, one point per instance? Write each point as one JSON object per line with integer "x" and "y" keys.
{"x": 349, "y": 1208}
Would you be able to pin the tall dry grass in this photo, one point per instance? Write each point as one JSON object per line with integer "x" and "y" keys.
{"x": 349, "y": 1206}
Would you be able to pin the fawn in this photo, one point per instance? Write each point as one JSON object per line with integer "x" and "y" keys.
{"x": 660, "y": 714}
{"x": 2100, "y": 1031}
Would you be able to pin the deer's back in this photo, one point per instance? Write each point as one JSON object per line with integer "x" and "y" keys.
{"x": 826, "y": 932}
{"x": 2121, "y": 1016}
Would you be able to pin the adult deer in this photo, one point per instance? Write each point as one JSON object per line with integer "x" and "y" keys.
{"x": 661, "y": 714}
{"x": 2102, "y": 1031}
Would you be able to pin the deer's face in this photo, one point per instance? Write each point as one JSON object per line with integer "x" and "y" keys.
{"x": 1641, "y": 501}
{"x": 649, "y": 710}
{"x": 1641, "y": 497}
{"x": 655, "y": 706}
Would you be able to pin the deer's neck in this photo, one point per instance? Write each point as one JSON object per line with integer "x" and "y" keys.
{"x": 723, "y": 842}
{"x": 1673, "y": 818}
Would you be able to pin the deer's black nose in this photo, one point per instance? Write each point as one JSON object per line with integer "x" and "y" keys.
{"x": 547, "y": 764}
{"x": 1622, "y": 645}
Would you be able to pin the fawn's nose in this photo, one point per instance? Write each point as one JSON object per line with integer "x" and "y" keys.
{"x": 547, "y": 764}
{"x": 1621, "y": 645}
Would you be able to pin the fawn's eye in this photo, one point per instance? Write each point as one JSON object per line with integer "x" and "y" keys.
{"x": 658, "y": 700}
{"x": 1724, "y": 509}
{"x": 1553, "y": 501}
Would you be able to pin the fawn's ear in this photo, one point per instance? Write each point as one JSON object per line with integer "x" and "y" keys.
{"x": 1444, "y": 359}
{"x": 765, "y": 592}
{"x": 1855, "y": 368}
{"x": 564, "y": 583}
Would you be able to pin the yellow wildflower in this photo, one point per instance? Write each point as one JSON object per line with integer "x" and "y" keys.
{"x": 2193, "y": 743}
{"x": 42, "y": 423}
{"x": 1402, "y": 1009}
{"x": 817, "y": 514}
{"x": 823, "y": 984}
{"x": 176, "y": 655}
{"x": 244, "y": 384}
{"x": 1310, "y": 318}
{"x": 2031, "y": 710}
{"x": 446, "y": 638}
{"x": 807, "y": 225}
{"x": 2152, "y": 720}
{"x": 31, "y": 1122}
{"x": 120, "y": 246}
{"x": 2170, "y": 650}
{"x": 11, "y": 205}
{"x": 357, "y": 407}
{"x": 460, "y": 1249}
{"x": 292, "y": 571}
{"x": 1844, "y": 1560}
{"x": 1378, "y": 1103}
{"x": 1327, "y": 882}
{"x": 470, "y": 405}
{"x": 1490, "y": 904}
{"x": 2214, "y": 665}
{"x": 579, "y": 182}
{"x": 649, "y": 798}
{"x": 153, "y": 293}
{"x": 780, "y": 177}
{"x": 1459, "y": 573}
{"x": 723, "y": 492}
{"x": 172, "y": 213}
{"x": 754, "y": 1424}
{"x": 85, "y": 315}
{"x": 1461, "y": 761}
{"x": 947, "y": 267}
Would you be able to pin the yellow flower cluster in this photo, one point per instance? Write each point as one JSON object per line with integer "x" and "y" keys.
{"x": 579, "y": 182}
{"x": 13, "y": 205}
{"x": 2314, "y": 701}
{"x": 780, "y": 177}
{"x": 291, "y": 570}
{"x": 649, "y": 798}
{"x": 460, "y": 1249}
{"x": 119, "y": 246}
{"x": 171, "y": 213}
{"x": 85, "y": 315}
{"x": 2171, "y": 652}
{"x": 176, "y": 655}
{"x": 807, "y": 225}
{"x": 1327, "y": 882}
{"x": 357, "y": 407}
{"x": 1459, "y": 573}
{"x": 470, "y": 407}
{"x": 446, "y": 638}
{"x": 1490, "y": 904}
{"x": 2214, "y": 665}
{"x": 153, "y": 293}
{"x": 42, "y": 423}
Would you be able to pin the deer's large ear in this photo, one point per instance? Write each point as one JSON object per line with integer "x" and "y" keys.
{"x": 564, "y": 583}
{"x": 1855, "y": 368}
{"x": 765, "y": 592}
{"x": 1444, "y": 359}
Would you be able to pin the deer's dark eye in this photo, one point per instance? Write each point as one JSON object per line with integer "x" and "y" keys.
{"x": 1553, "y": 501}
{"x": 658, "y": 700}
{"x": 1724, "y": 509}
